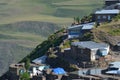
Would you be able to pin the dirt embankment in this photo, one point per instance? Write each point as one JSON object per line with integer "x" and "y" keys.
{"x": 103, "y": 34}
{"x": 105, "y": 37}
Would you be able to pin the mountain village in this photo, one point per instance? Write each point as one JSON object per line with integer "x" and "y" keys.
{"x": 90, "y": 60}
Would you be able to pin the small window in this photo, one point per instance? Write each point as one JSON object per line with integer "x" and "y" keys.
{"x": 98, "y": 17}
{"x": 104, "y": 17}
{"x": 81, "y": 51}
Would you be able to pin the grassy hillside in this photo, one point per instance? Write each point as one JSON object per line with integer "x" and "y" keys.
{"x": 46, "y": 10}
{"x": 22, "y": 27}
{"x": 19, "y": 39}
{"x": 108, "y": 32}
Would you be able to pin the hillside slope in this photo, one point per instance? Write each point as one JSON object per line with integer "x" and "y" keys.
{"x": 18, "y": 39}
{"x": 21, "y": 31}
{"x": 108, "y": 32}
{"x": 46, "y": 10}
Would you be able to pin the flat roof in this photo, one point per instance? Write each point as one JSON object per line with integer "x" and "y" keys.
{"x": 113, "y": 11}
{"x": 90, "y": 44}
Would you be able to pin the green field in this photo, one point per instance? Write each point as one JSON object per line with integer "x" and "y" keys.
{"x": 17, "y": 40}
{"x": 46, "y": 10}
{"x": 18, "y": 37}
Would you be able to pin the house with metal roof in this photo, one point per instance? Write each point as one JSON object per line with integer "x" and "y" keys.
{"x": 105, "y": 15}
{"x": 111, "y": 2}
{"x": 114, "y": 6}
{"x": 89, "y": 50}
{"x": 76, "y": 31}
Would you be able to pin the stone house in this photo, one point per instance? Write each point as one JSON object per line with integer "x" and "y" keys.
{"x": 89, "y": 50}
{"x": 17, "y": 69}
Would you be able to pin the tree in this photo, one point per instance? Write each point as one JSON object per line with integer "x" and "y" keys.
{"x": 87, "y": 36}
{"x": 78, "y": 20}
{"x": 27, "y": 64}
{"x": 25, "y": 76}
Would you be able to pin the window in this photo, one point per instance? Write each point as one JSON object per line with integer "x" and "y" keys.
{"x": 109, "y": 17}
{"x": 104, "y": 17}
{"x": 98, "y": 17}
{"x": 81, "y": 51}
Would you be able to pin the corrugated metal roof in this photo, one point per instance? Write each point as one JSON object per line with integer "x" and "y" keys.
{"x": 40, "y": 60}
{"x": 115, "y": 64}
{"x": 67, "y": 48}
{"x": 75, "y": 26}
{"x": 113, "y": 11}
{"x": 88, "y": 26}
{"x": 83, "y": 26}
{"x": 112, "y": 72}
{"x": 90, "y": 44}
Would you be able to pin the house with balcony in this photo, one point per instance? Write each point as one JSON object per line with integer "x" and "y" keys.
{"x": 105, "y": 15}
{"x": 88, "y": 50}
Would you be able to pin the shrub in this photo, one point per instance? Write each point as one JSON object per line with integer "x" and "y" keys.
{"x": 25, "y": 76}
{"x": 87, "y": 37}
